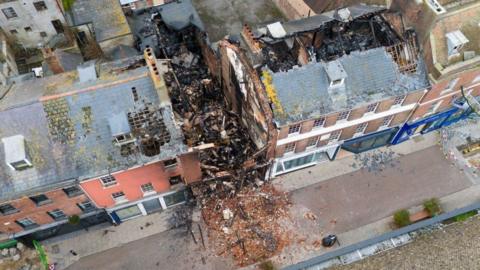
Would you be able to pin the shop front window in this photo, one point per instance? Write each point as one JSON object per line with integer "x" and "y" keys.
{"x": 174, "y": 198}
{"x": 128, "y": 212}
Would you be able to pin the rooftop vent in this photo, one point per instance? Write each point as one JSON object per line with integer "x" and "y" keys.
{"x": 455, "y": 41}
{"x": 276, "y": 30}
{"x": 335, "y": 72}
{"x": 435, "y": 6}
{"x": 344, "y": 14}
{"x": 87, "y": 72}
{"x": 120, "y": 129}
{"x": 16, "y": 155}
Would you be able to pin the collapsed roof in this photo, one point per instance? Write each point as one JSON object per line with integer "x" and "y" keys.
{"x": 335, "y": 61}
{"x": 79, "y": 130}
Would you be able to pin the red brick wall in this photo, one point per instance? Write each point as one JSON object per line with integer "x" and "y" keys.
{"x": 435, "y": 94}
{"x": 130, "y": 181}
{"x": 28, "y": 209}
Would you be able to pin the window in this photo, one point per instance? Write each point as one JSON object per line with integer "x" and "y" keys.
{"x": 386, "y": 121}
{"x": 86, "y": 206}
{"x": 108, "y": 180}
{"x": 57, "y": 214}
{"x": 21, "y": 165}
{"x": 450, "y": 86}
{"x": 118, "y": 196}
{"x": 135, "y": 94}
{"x": 434, "y": 107}
{"x": 334, "y": 136}
{"x": 476, "y": 80}
{"x": 372, "y": 108}
{"x": 361, "y": 129}
{"x": 13, "y": 32}
{"x": 343, "y": 116}
{"x": 319, "y": 122}
{"x": 28, "y": 29}
{"x": 43, "y": 34}
{"x": 147, "y": 188}
{"x": 294, "y": 129}
{"x": 175, "y": 180}
{"x": 170, "y": 163}
{"x": 174, "y": 198}
{"x": 289, "y": 147}
{"x": 72, "y": 191}
{"x": 9, "y": 13}
{"x": 398, "y": 101}
{"x": 26, "y": 223}
{"x": 7, "y": 209}
{"x": 40, "y": 5}
{"x": 336, "y": 82}
{"x": 41, "y": 199}
{"x": 312, "y": 142}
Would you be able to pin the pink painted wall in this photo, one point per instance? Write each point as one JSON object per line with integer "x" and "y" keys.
{"x": 130, "y": 183}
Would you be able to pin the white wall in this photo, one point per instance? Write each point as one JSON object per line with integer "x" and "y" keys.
{"x": 28, "y": 16}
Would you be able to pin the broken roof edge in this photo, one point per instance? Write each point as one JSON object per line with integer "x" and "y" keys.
{"x": 292, "y": 27}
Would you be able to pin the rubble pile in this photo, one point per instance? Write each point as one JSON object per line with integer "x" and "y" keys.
{"x": 239, "y": 209}
{"x": 247, "y": 226}
{"x": 375, "y": 161}
{"x": 198, "y": 100}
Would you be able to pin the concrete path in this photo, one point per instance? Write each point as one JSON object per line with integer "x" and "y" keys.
{"x": 327, "y": 170}
{"x": 103, "y": 237}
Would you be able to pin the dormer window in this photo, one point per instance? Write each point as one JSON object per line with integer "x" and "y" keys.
{"x": 455, "y": 41}
{"x": 16, "y": 155}
{"x": 120, "y": 129}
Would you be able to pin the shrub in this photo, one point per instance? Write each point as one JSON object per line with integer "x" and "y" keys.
{"x": 465, "y": 216}
{"x": 432, "y": 206}
{"x": 74, "y": 220}
{"x": 402, "y": 218}
{"x": 267, "y": 265}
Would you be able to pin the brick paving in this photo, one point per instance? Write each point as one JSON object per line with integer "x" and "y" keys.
{"x": 455, "y": 246}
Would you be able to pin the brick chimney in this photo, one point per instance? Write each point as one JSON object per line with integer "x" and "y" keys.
{"x": 52, "y": 61}
{"x": 253, "y": 44}
{"x": 156, "y": 74}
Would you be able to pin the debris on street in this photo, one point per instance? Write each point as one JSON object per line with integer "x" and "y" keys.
{"x": 247, "y": 225}
{"x": 241, "y": 211}
{"x": 375, "y": 161}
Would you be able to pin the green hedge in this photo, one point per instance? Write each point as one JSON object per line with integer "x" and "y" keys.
{"x": 402, "y": 218}
{"x": 432, "y": 206}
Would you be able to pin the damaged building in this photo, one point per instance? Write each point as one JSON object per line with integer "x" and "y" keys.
{"x": 101, "y": 139}
{"x": 338, "y": 82}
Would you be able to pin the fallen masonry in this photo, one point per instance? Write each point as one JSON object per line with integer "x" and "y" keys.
{"x": 247, "y": 225}
{"x": 241, "y": 212}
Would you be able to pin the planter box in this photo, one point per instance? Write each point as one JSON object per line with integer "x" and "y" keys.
{"x": 419, "y": 216}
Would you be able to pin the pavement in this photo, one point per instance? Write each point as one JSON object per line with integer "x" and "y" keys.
{"x": 456, "y": 135}
{"x": 172, "y": 249}
{"x": 340, "y": 197}
{"x": 327, "y": 170}
{"x": 104, "y": 237}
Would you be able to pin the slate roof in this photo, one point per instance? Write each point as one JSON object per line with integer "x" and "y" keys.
{"x": 317, "y": 21}
{"x": 371, "y": 76}
{"x": 180, "y": 14}
{"x": 106, "y": 16}
{"x": 69, "y": 137}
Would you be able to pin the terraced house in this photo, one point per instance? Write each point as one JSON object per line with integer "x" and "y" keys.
{"x": 340, "y": 82}
{"x": 448, "y": 31}
{"x": 100, "y": 137}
